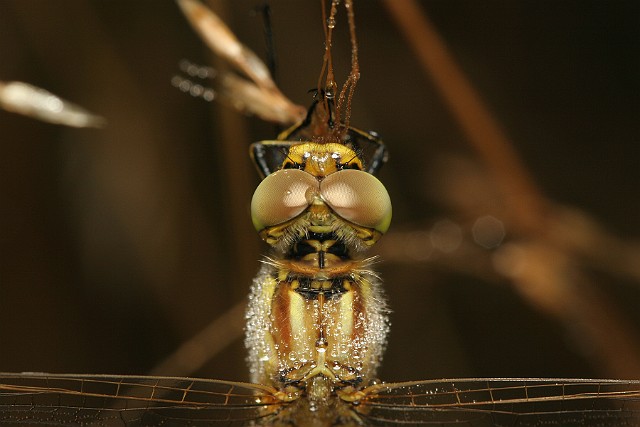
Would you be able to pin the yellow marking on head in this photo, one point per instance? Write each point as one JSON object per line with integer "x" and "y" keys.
{"x": 322, "y": 159}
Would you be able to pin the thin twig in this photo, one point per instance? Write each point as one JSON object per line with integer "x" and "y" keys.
{"x": 550, "y": 277}
{"x": 523, "y": 199}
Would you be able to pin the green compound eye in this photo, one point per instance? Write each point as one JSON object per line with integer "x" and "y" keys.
{"x": 281, "y": 196}
{"x": 358, "y": 197}
{"x": 354, "y": 195}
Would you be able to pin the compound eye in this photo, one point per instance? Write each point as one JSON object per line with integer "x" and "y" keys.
{"x": 358, "y": 197}
{"x": 282, "y": 196}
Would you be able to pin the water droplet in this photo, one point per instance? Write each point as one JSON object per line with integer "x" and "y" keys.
{"x": 331, "y": 22}
{"x": 175, "y": 81}
{"x": 184, "y": 85}
{"x": 488, "y": 231}
{"x": 196, "y": 90}
{"x": 209, "y": 95}
{"x": 192, "y": 70}
{"x": 330, "y": 92}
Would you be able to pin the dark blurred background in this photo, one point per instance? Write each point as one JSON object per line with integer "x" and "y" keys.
{"x": 117, "y": 245}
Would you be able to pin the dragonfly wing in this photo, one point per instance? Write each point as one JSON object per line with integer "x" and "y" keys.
{"x": 61, "y": 400}
{"x": 503, "y": 402}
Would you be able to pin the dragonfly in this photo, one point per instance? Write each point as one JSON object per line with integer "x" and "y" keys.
{"x": 325, "y": 374}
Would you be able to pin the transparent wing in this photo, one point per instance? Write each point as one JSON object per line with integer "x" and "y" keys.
{"x": 503, "y": 402}
{"x": 62, "y": 400}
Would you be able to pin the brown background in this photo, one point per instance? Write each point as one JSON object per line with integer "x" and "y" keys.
{"x": 116, "y": 245}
